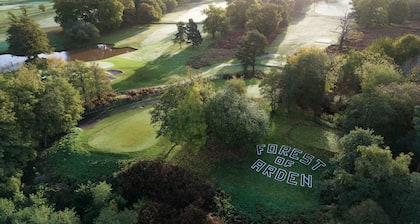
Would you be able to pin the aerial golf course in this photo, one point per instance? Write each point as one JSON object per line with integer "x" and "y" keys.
{"x": 110, "y": 143}
{"x": 103, "y": 146}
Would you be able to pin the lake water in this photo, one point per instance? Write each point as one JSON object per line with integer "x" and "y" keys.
{"x": 92, "y": 53}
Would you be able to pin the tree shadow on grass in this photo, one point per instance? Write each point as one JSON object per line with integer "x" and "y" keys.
{"x": 165, "y": 69}
{"x": 81, "y": 166}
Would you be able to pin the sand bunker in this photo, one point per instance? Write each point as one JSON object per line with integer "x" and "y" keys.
{"x": 114, "y": 72}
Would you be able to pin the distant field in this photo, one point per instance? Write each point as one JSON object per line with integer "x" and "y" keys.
{"x": 45, "y": 20}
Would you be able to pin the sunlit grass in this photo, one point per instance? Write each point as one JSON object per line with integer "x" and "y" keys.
{"x": 128, "y": 131}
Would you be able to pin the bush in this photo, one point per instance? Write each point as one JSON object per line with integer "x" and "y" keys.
{"x": 171, "y": 194}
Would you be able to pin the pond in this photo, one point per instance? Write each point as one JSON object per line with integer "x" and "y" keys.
{"x": 91, "y": 53}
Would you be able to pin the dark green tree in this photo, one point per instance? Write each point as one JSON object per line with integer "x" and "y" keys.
{"x": 180, "y": 113}
{"x": 234, "y": 120}
{"x": 216, "y": 20}
{"x": 250, "y": 47}
{"x": 398, "y": 11}
{"x": 91, "y": 81}
{"x": 59, "y": 108}
{"x": 181, "y": 35}
{"x": 371, "y": 13}
{"x": 350, "y": 142}
{"x": 369, "y": 109}
{"x": 304, "y": 81}
{"x": 367, "y": 211}
{"x": 105, "y": 15}
{"x": 26, "y": 38}
{"x": 236, "y": 11}
{"x": 266, "y": 18}
{"x": 193, "y": 34}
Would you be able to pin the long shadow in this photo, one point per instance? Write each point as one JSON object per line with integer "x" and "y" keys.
{"x": 165, "y": 69}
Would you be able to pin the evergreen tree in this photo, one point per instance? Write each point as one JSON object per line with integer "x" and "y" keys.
{"x": 181, "y": 36}
{"x": 193, "y": 34}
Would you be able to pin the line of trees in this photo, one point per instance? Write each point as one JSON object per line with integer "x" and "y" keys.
{"x": 87, "y": 20}
{"x": 38, "y": 106}
{"x": 373, "y": 13}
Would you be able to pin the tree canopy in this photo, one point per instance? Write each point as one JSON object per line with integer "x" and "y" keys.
{"x": 235, "y": 120}
{"x": 250, "y": 47}
{"x": 216, "y": 20}
{"x": 304, "y": 81}
{"x": 25, "y": 37}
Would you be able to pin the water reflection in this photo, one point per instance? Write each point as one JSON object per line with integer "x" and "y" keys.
{"x": 10, "y": 62}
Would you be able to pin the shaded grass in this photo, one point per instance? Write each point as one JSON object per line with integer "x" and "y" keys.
{"x": 254, "y": 194}
{"x": 128, "y": 131}
{"x": 80, "y": 166}
{"x": 167, "y": 68}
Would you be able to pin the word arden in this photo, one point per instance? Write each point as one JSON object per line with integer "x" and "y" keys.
{"x": 286, "y": 157}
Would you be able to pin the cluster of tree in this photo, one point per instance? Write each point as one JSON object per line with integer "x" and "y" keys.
{"x": 264, "y": 16}
{"x": 360, "y": 89}
{"x": 37, "y": 106}
{"x": 144, "y": 192}
{"x": 368, "y": 185}
{"x": 192, "y": 113}
{"x": 188, "y": 33}
{"x": 373, "y": 13}
{"x": 86, "y": 20}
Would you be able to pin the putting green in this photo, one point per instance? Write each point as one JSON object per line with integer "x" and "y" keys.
{"x": 128, "y": 131}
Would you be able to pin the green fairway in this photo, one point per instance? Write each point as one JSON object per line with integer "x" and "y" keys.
{"x": 129, "y": 131}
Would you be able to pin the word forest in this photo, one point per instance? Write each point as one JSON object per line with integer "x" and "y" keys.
{"x": 286, "y": 157}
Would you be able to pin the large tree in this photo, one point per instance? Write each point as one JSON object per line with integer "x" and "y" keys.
{"x": 379, "y": 177}
{"x": 106, "y": 15}
{"x": 266, "y": 18}
{"x": 369, "y": 109}
{"x": 235, "y": 120}
{"x": 398, "y": 11}
{"x": 216, "y": 20}
{"x": 371, "y": 13}
{"x": 90, "y": 80}
{"x": 250, "y": 47}
{"x": 193, "y": 34}
{"x": 304, "y": 81}
{"x": 26, "y": 38}
{"x": 350, "y": 142}
{"x": 236, "y": 11}
{"x": 180, "y": 113}
{"x": 59, "y": 108}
